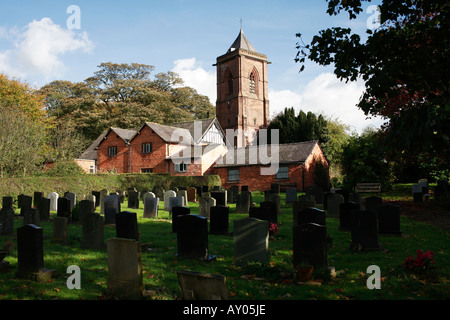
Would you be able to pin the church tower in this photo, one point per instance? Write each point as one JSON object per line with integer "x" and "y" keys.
{"x": 242, "y": 93}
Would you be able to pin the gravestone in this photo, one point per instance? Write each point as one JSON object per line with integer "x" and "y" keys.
{"x": 53, "y": 196}
{"x": 63, "y": 207}
{"x": 333, "y": 202}
{"x": 275, "y": 187}
{"x": 25, "y": 203}
{"x": 7, "y": 202}
{"x": 121, "y": 194}
{"x": 251, "y": 240}
{"x": 37, "y": 195}
{"x": 192, "y": 237}
{"x": 124, "y": 269}
{"x": 85, "y": 208}
{"x": 345, "y": 193}
{"x": 355, "y": 197}
{"x": 364, "y": 230}
{"x": 204, "y": 205}
{"x": 261, "y": 213}
{"x": 111, "y": 204}
{"x": 291, "y": 195}
{"x": 92, "y": 231}
{"x": 204, "y": 189}
{"x": 175, "y": 202}
{"x": 345, "y": 215}
{"x": 103, "y": 194}
{"x": 183, "y": 193}
{"x": 151, "y": 207}
{"x": 244, "y": 202}
{"x": 218, "y": 223}
{"x": 244, "y": 189}
{"x": 126, "y": 225}
{"x": 316, "y": 192}
{"x": 6, "y": 221}
{"x": 191, "y": 194}
{"x": 233, "y": 194}
{"x": 44, "y": 209}
{"x": 310, "y": 246}
{"x": 310, "y": 215}
{"x": 73, "y": 199}
{"x": 372, "y": 203}
{"x": 60, "y": 229}
{"x": 30, "y": 254}
{"x": 167, "y": 195}
{"x": 389, "y": 220}
{"x": 133, "y": 199}
{"x": 96, "y": 194}
{"x": 148, "y": 195}
{"x": 273, "y": 210}
{"x": 176, "y": 212}
{"x": 202, "y": 286}
{"x": 417, "y": 193}
{"x": 220, "y": 196}
{"x": 31, "y": 216}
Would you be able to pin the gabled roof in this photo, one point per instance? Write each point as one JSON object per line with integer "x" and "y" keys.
{"x": 205, "y": 124}
{"x": 241, "y": 42}
{"x": 287, "y": 153}
{"x": 169, "y": 133}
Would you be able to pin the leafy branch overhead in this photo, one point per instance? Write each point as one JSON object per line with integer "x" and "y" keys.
{"x": 404, "y": 64}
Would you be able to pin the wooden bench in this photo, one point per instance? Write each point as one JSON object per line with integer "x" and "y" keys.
{"x": 368, "y": 187}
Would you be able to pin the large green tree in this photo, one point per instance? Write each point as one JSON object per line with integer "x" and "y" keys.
{"x": 405, "y": 66}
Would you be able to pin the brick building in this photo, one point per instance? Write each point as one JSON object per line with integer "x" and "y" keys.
{"x": 224, "y": 145}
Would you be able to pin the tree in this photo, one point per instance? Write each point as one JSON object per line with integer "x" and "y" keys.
{"x": 405, "y": 66}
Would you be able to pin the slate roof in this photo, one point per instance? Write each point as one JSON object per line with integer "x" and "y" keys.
{"x": 241, "y": 42}
{"x": 287, "y": 153}
{"x": 190, "y": 125}
{"x": 170, "y": 133}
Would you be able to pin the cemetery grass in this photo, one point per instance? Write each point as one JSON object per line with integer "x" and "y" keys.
{"x": 255, "y": 281}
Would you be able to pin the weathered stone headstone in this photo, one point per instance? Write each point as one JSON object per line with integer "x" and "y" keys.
{"x": 204, "y": 205}
{"x": 25, "y": 203}
{"x": 355, "y": 197}
{"x": 310, "y": 215}
{"x": 126, "y": 225}
{"x": 183, "y": 193}
{"x": 103, "y": 194}
{"x": 275, "y": 187}
{"x": 364, "y": 230}
{"x": 7, "y": 202}
{"x": 389, "y": 220}
{"x": 273, "y": 210}
{"x": 111, "y": 204}
{"x": 233, "y": 193}
{"x": 191, "y": 194}
{"x": 167, "y": 195}
{"x": 133, "y": 199}
{"x": 244, "y": 189}
{"x": 261, "y": 213}
{"x": 244, "y": 202}
{"x": 85, "y": 208}
{"x": 53, "y": 196}
{"x": 124, "y": 269}
{"x": 175, "y": 202}
{"x": 345, "y": 215}
{"x": 159, "y": 192}
{"x": 192, "y": 237}
{"x": 151, "y": 207}
{"x": 148, "y": 195}
{"x": 345, "y": 193}
{"x": 202, "y": 286}
{"x": 291, "y": 195}
{"x": 333, "y": 202}
{"x": 218, "y": 216}
{"x": 251, "y": 240}
{"x": 310, "y": 245}
{"x": 96, "y": 194}
{"x": 6, "y": 221}
{"x": 60, "y": 229}
{"x": 92, "y": 232}
{"x": 417, "y": 193}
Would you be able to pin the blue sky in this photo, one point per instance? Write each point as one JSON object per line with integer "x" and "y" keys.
{"x": 38, "y": 46}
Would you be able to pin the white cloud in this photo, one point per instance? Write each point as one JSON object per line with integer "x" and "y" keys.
{"x": 39, "y": 47}
{"x": 329, "y": 96}
{"x": 195, "y": 76}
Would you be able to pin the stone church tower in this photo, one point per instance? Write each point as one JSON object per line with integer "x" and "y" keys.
{"x": 242, "y": 94}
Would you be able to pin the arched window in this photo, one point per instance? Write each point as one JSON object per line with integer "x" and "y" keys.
{"x": 253, "y": 81}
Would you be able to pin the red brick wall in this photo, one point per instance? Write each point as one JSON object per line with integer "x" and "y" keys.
{"x": 155, "y": 159}
{"x": 118, "y": 163}
{"x": 310, "y": 164}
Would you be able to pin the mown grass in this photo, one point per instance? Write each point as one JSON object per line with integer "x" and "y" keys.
{"x": 272, "y": 281}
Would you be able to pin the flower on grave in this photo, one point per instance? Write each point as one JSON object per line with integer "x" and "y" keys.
{"x": 273, "y": 229}
{"x": 421, "y": 263}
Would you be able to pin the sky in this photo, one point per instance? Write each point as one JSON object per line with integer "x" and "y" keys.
{"x": 46, "y": 40}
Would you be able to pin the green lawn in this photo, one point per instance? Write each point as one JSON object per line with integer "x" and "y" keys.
{"x": 273, "y": 281}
